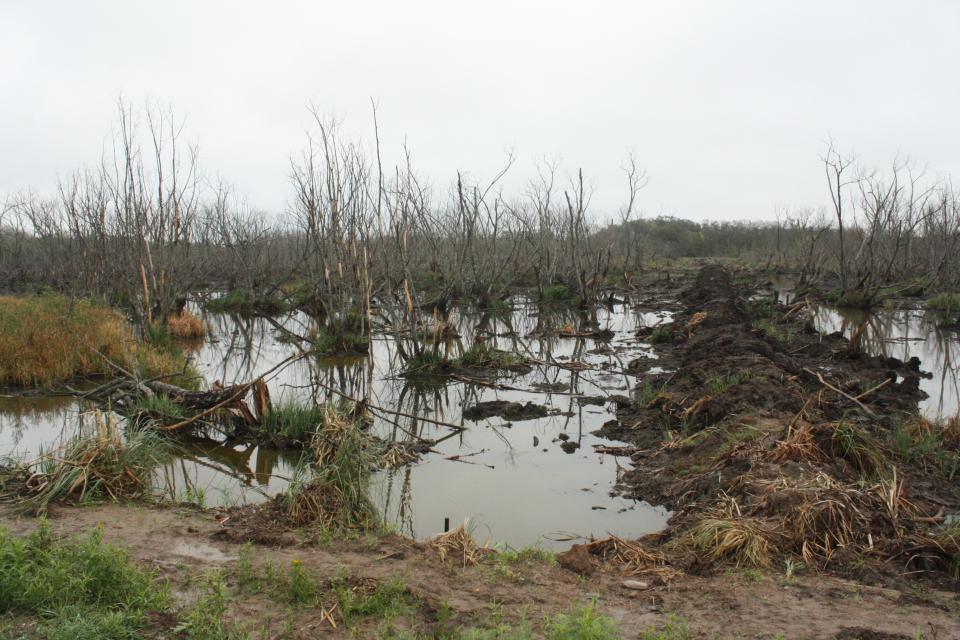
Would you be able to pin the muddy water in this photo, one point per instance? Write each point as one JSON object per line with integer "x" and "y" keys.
{"x": 513, "y": 481}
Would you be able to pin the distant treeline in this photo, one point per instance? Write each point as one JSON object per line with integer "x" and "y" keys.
{"x": 147, "y": 227}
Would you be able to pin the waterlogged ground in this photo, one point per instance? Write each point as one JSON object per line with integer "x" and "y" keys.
{"x": 513, "y": 481}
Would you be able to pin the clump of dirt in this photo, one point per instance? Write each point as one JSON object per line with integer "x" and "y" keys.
{"x": 772, "y": 442}
{"x": 512, "y": 411}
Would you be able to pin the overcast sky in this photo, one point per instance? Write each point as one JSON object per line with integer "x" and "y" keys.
{"x": 727, "y": 104}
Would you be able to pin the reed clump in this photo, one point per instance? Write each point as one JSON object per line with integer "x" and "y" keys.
{"x": 332, "y": 487}
{"x": 99, "y": 463}
{"x": 291, "y": 424}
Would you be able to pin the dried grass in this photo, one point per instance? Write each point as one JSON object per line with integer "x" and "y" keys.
{"x": 724, "y": 534}
{"x": 458, "y": 544}
{"x": 50, "y": 338}
{"x": 186, "y": 325}
{"x": 798, "y": 446}
{"x": 631, "y": 558}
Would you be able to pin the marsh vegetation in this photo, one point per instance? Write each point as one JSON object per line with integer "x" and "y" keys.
{"x": 389, "y": 357}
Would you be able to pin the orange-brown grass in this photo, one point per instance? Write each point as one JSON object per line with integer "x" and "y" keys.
{"x": 799, "y": 445}
{"x": 186, "y": 325}
{"x": 49, "y": 338}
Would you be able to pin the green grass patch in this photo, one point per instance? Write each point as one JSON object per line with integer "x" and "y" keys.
{"x": 290, "y": 424}
{"x": 861, "y": 448}
{"x": 584, "y": 622}
{"x": 243, "y": 303}
{"x": 852, "y": 299}
{"x": 78, "y": 587}
{"x": 481, "y": 354}
{"x": 717, "y": 385}
{"x": 557, "y": 293}
{"x": 780, "y": 333}
{"x": 428, "y": 362}
{"x": 760, "y": 307}
{"x": 945, "y": 301}
{"x": 159, "y": 407}
{"x": 328, "y": 341}
{"x": 646, "y": 393}
{"x": 675, "y": 629}
{"x": 929, "y": 445}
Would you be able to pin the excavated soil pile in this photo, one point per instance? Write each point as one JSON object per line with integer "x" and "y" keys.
{"x": 773, "y": 443}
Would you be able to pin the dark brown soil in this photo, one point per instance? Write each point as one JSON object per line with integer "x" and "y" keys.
{"x": 512, "y": 411}
{"x": 754, "y": 426}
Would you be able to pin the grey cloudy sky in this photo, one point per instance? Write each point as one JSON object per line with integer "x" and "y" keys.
{"x": 727, "y": 104}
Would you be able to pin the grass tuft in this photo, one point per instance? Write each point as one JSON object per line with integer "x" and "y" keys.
{"x": 334, "y": 490}
{"x": 742, "y": 540}
{"x": 96, "y": 464}
{"x": 291, "y": 424}
{"x": 481, "y": 354}
{"x": 186, "y": 325}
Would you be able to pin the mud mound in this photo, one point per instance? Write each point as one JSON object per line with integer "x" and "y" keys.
{"x": 771, "y": 441}
{"x": 512, "y": 411}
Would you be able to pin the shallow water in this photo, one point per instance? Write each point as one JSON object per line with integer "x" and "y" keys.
{"x": 513, "y": 482}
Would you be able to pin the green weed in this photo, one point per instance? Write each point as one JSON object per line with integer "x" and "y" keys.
{"x": 945, "y": 301}
{"x": 675, "y": 629}
{"x": 646, "y": 393}
{"x": 81, "y": 587}
{"x": 719, "y": 384}
{"x": 291, "y": 423}
{"x": 582, "y": 623}
{"x": 661, "y": 335}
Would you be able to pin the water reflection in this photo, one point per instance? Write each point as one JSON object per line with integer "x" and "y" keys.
{"x": 514, "y": 481}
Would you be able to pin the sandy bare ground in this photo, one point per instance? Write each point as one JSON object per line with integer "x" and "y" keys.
{"x": 183, "y": 543}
